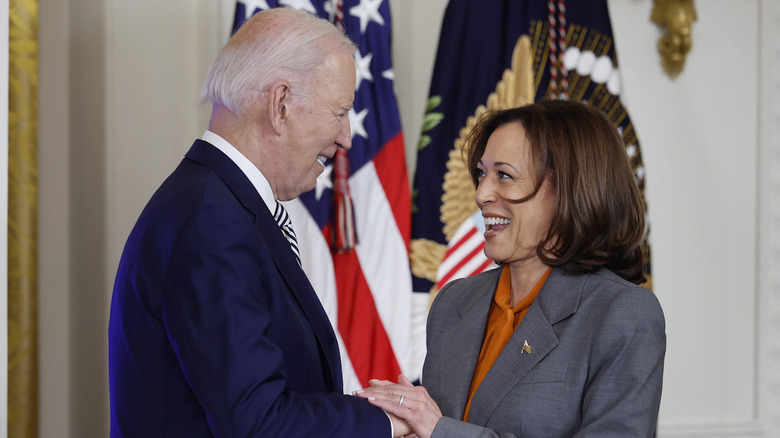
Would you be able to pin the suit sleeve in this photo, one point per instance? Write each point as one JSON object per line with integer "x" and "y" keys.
{"x": 623, "y": 392}
{"x": 217, "y": 311}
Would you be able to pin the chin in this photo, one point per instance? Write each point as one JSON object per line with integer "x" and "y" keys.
{"x": 495, "y": 257}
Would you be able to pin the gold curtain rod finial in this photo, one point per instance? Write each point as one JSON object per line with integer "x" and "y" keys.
{"x": 677, "y": 17}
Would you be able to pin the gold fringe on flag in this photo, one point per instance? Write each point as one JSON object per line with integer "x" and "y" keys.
{"x": 23, "y": 219}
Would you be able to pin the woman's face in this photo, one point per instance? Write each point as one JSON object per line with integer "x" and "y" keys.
{"x": 512, "y": 230}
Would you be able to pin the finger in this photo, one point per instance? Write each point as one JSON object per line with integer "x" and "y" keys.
{"x": 403, "y": 380}
{"x": 379, "y": 392}
{"x": 377, "y": 382}
{"x": 390, "y": 405}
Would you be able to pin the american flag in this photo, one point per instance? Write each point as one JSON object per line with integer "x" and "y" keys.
{"x": 571, "y": 55}
{"x": 366, "y": 291}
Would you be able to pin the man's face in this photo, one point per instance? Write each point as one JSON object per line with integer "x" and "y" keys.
{"x": 318, "y": 125}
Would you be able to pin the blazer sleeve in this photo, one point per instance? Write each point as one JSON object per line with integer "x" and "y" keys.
{"x": 452, "y": 428}
{"x": 623, "y": 393}
{"x": 218, "y": 315}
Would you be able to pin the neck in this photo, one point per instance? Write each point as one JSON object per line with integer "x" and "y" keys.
{"x": 247, "y": 137}
{"x": 524, "y": 276}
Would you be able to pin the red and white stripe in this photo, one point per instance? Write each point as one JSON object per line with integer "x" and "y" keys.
{"x": 465, "y": 254}
{"x": 367, "y": 293}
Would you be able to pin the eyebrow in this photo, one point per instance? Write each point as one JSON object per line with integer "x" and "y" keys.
{"x": 500, "y": 164}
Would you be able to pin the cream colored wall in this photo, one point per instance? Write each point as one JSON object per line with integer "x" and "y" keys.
{"x": 54, "y": 315}
{"x": 119, "y": 86}
{"x": 700, "y": 140}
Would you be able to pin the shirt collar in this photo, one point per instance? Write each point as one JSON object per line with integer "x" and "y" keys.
{"x": 251, "y": 171}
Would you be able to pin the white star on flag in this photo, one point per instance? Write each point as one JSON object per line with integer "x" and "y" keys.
{"x": 324, "y": 181}
{"x": 367, "y": 11}
{"x": 389, "y": 74}
{"x": 362, "y": 68}
{"x": 356, "y": 123}
{"x": 304, "y": 5}
{"x": 330, "y": 7}
{"x": 252, "y": 5}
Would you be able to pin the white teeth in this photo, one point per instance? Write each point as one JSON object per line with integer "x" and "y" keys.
{"x": 496, "y": 221}
{"x": 322, "y": 159}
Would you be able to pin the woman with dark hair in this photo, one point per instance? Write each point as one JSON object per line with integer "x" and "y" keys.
{"x": 560, "y": 340}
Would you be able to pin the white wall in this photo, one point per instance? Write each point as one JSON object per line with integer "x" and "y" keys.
{"x": 700, "y": 139}
{"x": 119, "y": 87}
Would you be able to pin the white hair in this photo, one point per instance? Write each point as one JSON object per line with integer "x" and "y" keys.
{"x": 276, "y": 44}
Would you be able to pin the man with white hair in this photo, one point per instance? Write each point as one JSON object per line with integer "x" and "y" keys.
{"x": 215, "y": 331}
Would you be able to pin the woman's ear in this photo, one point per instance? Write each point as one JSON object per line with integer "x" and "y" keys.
{"x": 278, "y": 105}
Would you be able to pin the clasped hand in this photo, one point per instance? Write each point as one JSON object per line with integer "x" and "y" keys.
{"x": 405, "y": 401}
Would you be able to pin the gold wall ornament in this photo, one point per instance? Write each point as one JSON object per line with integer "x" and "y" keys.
{"x": 23, "y": 219}
{"x": 677, "y": 17}
{"x": 516, "y": 88}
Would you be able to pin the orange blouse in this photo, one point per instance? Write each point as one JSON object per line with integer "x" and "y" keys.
{"x": 502, "y": 321}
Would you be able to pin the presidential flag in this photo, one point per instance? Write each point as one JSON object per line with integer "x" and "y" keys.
{"x": 354, "y": 227}
{"x": 500, "y": 54}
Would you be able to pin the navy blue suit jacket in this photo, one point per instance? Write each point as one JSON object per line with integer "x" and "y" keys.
{"x": 215, "y": 331}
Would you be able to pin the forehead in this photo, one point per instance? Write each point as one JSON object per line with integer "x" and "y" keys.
{"x": 508, "y": 143}
{"x": 336, "y": 77}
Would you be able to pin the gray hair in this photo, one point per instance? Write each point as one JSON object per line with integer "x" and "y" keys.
{"x": 276, "y": 44}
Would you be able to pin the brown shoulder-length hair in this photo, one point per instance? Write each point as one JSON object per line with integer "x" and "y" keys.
{"x": 599, "y": 218}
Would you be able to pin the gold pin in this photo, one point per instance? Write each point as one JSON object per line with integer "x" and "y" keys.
{"x": 526, "y": 347}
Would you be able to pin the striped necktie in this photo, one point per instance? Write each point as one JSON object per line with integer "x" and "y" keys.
{"x": 285, "y": 223}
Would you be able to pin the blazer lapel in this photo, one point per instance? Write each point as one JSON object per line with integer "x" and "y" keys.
{"x": 557, "y": 300}
{"x": 462, "y": 344}
{"x": 279, "y": 248}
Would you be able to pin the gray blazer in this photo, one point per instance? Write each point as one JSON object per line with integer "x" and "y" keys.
{"x": 595, "y": 367}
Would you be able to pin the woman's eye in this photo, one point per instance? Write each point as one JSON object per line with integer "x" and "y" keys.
{"x": 504, "y": 175}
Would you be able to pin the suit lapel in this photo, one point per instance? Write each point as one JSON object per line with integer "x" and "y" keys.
{"x": 301, "y": 288}
{"x": 279, "y": 248}
{"x": 557, "y": 300}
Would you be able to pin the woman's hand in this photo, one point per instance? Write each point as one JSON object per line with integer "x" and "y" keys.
{"x": 404, "y": 400}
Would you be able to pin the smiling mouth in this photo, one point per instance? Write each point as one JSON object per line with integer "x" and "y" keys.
{"x": 495, "y": 223}
{"x": 322, "y": 159}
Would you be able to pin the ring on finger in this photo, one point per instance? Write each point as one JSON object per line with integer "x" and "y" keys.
{"x": 401, "y": 403}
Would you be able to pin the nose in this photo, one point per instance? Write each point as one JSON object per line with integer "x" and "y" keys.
{"x": 344, "y": 140}
{"x": 485, "y": 192}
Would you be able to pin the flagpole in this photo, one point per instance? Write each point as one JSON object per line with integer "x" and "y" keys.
{"x": 22, "y": 217}
{"x": 4, "y": 224}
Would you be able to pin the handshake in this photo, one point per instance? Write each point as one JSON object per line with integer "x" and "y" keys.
{"x": 411, "y": 409}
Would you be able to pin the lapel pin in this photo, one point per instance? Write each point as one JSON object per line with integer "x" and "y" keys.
{"x": 526, "y": 347}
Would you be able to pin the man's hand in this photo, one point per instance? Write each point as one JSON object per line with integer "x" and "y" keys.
{"x": 400, "y": 427}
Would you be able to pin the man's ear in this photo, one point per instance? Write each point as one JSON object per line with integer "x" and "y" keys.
{"x": 279, "y": 105}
